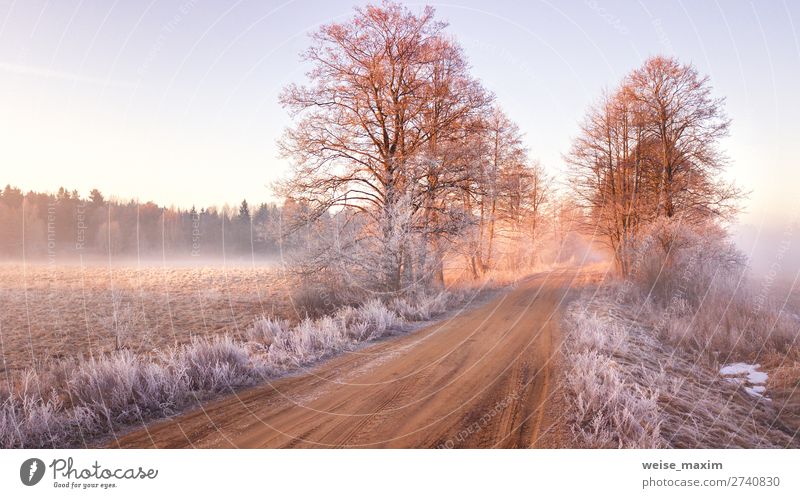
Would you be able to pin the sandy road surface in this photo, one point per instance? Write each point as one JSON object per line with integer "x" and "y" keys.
{"x": 482, "y": 378}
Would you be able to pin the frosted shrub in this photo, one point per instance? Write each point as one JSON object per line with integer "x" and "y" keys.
{"x": 592, "y": 332}
{"x": 296, "y": 346}
{"x": 108, "y": 388}
{"x": 323, "y": 336}
{"x": 422, "y": 307}
{"x": 379, "y": 318}
{"x": 160, "y": 390}
{"x": 122, "y": 388}
{"x": 30, "y": 421}
{"x": 369, "y": 321}
{"x": 215, "y": 365}
{"x": 353, "y": 324}
{"x": 678, "y": 260}
{"x": 692, "y": 286}
{"x": 9, "y": 422}
{"x": 313, "y": 339}
{"x": 310, "y": 340}
{"x": 30, "y": 417}
{"x": 264, "y": 329}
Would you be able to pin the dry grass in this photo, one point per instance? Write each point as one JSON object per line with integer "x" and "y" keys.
{"x": 95, "y": 397}
{"x": 62, "y": 312}
{"x": 645, "y": 353}
{"x": 631, "y": 387}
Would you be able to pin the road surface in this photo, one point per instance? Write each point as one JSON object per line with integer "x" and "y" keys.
{"x": 481, "y": 378}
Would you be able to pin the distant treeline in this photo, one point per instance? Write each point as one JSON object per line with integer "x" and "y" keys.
{"x": 65, "y": 225}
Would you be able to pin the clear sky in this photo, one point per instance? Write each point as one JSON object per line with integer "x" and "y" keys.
{"x": 176, "y": 101}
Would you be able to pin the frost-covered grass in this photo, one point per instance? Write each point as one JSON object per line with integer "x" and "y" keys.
{"x": 423, "y": 308}
{"x": 71, "y": 404}
{"x": 608, "y": 409}
{"x": 101, "y": 394}
{"x": 263, "y": 330}
{"x": 694, "y": 288}
{"x": 313, "y": 339}
{"x": 644, "y": 354}
{"x": 629, "y": 388}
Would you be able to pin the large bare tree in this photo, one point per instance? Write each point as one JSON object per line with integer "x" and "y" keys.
{"x": 684, "y": 123}
{"x": 651, "y": 149}
{"x": 387, "y": 93}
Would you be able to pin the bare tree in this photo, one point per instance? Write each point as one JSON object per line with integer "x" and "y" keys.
{"x": 684, "y": 124}
{"x": 650, "y": 149}
{"x": 526, "y": 193}
{"x": 609, "y": 172}
{"x": 387, "y": 89}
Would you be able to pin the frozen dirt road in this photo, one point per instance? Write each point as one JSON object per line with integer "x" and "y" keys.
{"x": 481, "y": 378}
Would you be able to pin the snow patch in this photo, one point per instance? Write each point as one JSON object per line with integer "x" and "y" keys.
{"x": 755, "y": 390}
{"x": 746, "y": 375}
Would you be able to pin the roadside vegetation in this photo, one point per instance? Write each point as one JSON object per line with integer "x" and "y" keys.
{"x": 73, "y": 403}
{"x": 645, "y": 367}
{"x": 668, "y": 352}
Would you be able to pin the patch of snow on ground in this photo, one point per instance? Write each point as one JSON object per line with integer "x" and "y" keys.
{"x": 755, "y": 390}
{"x": 747, "y": 375}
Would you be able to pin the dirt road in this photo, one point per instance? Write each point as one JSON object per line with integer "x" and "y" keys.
{"x": 482, "y": 378}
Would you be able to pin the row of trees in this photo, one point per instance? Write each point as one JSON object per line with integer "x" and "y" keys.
{"x": 64, "y": 225}
{"x": 650, "y": 150}
{"x": 396, "y": 138}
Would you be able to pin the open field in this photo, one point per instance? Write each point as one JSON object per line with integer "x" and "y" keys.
{"x": 52, "y": 312}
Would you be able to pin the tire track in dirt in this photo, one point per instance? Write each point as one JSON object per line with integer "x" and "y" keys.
{"x": 479, "y": 379}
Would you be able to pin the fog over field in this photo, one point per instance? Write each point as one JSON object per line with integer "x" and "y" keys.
{"x": 770, "y": 247}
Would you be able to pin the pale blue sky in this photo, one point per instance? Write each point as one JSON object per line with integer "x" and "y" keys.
{"x": 176, "y": 101}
